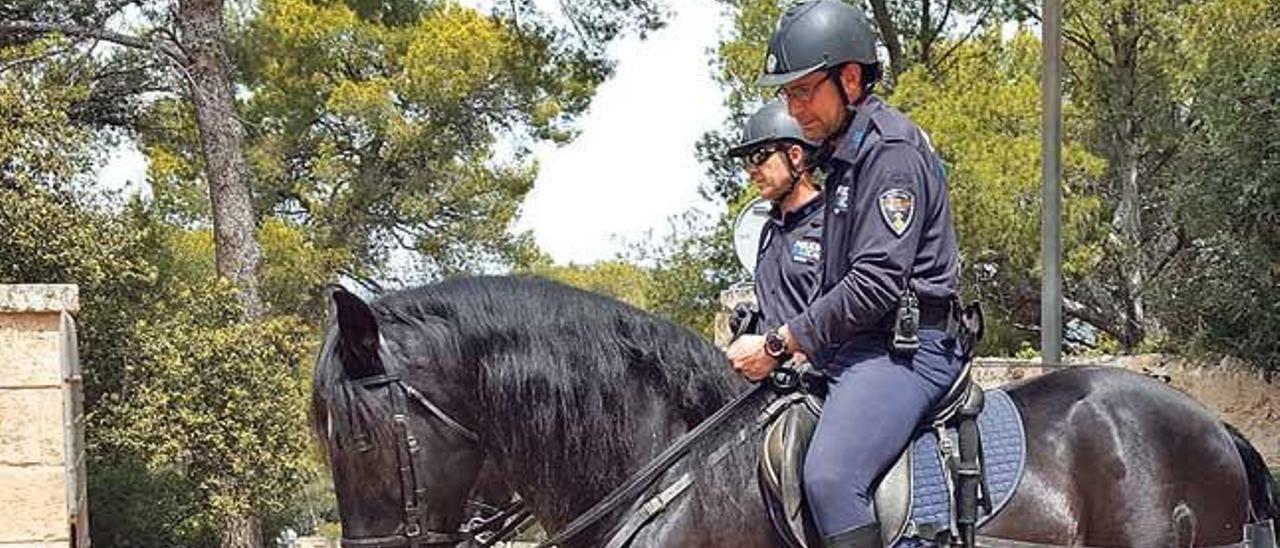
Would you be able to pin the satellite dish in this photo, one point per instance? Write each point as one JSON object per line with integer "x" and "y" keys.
{"x": 746, "y": 232}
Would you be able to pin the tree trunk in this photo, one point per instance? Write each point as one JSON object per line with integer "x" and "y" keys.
{"x": 222, "y": 137}
{"x": 1127, "y": 149}
{"x": 242, "y": 532}
{"x": 889, "y": 34}
{"x": 1130, "y": 220}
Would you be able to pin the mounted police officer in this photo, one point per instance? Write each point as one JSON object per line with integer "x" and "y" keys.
{"x": 882, "y": 328}
{"x": 775, "y": 154}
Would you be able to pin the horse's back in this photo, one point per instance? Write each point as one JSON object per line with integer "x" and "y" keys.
{"x": 1116, "y": 458}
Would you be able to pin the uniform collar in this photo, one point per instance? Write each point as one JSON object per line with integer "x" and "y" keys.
{"x": 851, "y": 143}
{"x": 787, "y": 220}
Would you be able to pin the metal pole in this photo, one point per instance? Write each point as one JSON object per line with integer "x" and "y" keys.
{"x": 1051, "y": 192}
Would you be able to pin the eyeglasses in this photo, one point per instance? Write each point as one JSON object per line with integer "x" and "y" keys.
{"x": 801, "y": 93}
{"x": 758, "y": 157}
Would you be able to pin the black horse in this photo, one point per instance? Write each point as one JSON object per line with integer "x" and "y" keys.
{"x": 570, "y": 393}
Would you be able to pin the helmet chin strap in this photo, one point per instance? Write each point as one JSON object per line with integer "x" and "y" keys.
{"x": 845, "y": 104}
{"x": 793, "y": 178}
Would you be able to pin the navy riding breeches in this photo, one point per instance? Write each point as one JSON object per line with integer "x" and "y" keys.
{"x": 874, "y": 403}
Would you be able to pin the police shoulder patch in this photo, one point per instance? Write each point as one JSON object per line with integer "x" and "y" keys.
{"x": 897, "y": 208}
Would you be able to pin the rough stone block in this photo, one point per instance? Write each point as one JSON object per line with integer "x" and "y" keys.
{"x": 30, "y": 350}
{"x": 39, "y": 298}
{"x": 34, "y": 505}
{"x": 31, "y": 427}
{"x": 48, "y": 544}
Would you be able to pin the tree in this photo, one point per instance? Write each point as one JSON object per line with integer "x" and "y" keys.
{"x": 167, "y": 424}
{"x": 192, "y": 39}
{"x": 1121, "y": 70}
{"x": 1221, "y": 293}
{"x": 377, "y": 136}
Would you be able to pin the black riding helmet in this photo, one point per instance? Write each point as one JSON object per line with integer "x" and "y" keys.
{"x": 770, "y": 124}
{"x": 773, "y": 124}
{"x": 819, "y": 35}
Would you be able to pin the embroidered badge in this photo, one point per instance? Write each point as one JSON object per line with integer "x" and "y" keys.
{"x": 806, "y": 250}
{"x": 898, "y": 208}
{"x": 771, "y": 64}
{"x": 842, "y": 198}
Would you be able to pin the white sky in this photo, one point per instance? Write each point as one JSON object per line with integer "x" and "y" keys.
{"x": 633, "y": 164}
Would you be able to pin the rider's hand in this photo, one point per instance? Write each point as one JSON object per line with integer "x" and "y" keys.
{"x": 749, "y": 359}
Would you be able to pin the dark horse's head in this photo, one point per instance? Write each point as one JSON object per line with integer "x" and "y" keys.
{"x": 522, "y": 373}
{"x": 403, "y": 454}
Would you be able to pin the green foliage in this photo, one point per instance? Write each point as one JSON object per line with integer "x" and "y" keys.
{"x": 379, "y": 130}
{"x": 621, "y": 280}
{"x": 49, "y": 237}
{"x": 225, "y": 404}
{"x": 740, "y": 56}
{"x": 189, "y": 413}
{"x": 40, "y": 143}
{"x": 1223, "y": 294}
{"x": 173, "y": 445}
{"x": 372, "y": 127}
{"x": 131, "y": 505}
{"x": 295, "y": 268}
{"x": 691, "y": 265}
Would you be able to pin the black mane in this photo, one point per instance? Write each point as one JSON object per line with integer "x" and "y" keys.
{"x": 555, "y": 371}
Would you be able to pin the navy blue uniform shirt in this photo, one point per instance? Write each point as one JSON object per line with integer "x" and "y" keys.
{"x": 789, "y": 263}
{"x": 887, "y": 218}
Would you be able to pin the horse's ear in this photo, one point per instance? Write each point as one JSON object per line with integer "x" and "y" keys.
{"x": 358, "y": 334}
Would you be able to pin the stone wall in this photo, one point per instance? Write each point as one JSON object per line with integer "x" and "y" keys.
{"x": 42, "y": 483}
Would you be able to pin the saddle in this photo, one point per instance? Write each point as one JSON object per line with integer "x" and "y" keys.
{"x": 937, "y": 487}
{"x": 787, "y": 439}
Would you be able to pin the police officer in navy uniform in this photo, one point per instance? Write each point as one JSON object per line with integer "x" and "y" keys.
{"x": 775, "y": 153}
{"x": 881, "y": 329}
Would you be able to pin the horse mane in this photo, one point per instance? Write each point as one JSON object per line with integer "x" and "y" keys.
{"x": 556, "y": 369}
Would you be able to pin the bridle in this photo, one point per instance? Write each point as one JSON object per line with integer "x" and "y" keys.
{"x": 412, "y": 531}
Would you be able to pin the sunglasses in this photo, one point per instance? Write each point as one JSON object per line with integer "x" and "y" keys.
{"x": 759, "y": 156}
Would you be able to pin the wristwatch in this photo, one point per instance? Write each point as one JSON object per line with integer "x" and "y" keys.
{"x": 775, "y": 345}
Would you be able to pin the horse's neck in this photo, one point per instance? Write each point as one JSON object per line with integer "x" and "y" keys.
{"x": 708, "y": 499}
{"x": 721, "y": 488}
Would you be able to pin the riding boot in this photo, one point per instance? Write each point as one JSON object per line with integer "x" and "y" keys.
{"x": 867, "y": 536}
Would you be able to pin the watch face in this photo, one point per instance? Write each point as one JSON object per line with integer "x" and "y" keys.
{"x": 773, "y": 343}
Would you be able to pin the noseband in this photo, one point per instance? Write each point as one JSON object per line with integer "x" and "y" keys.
{"x": 413, "y": 531}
